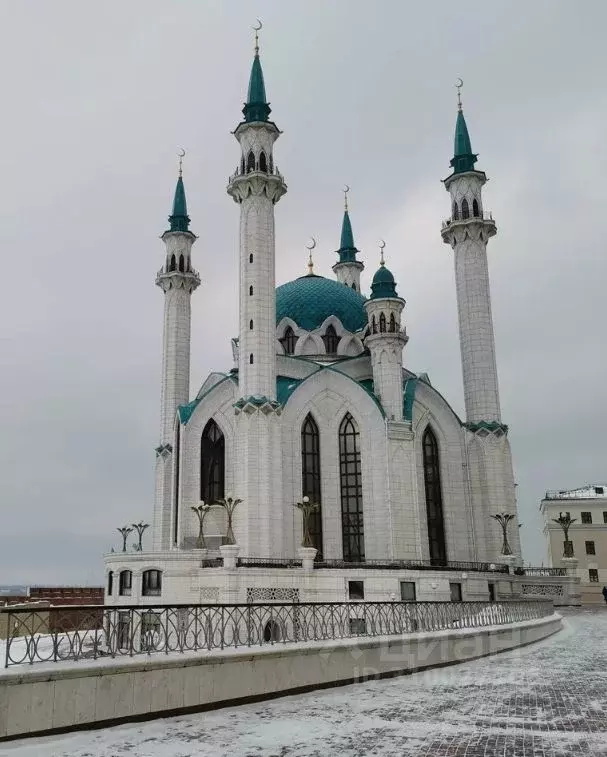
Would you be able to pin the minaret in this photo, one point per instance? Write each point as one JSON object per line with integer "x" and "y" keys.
{"x": 257, "y": 186}
{"x": 386, "y": 340}
{"x": 468, "y": 231}
{"x": 178, "y": 280}
{"x": 348, "y": 268}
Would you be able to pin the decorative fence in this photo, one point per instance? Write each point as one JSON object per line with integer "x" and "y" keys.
{"x": 269, "y": 562}
{"x": 94, "y": 632}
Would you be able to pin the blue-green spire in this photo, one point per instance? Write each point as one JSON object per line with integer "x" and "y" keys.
{"x": 463, "y": 157}
{"x": 347, "y": 251}
{"x": 179, "y": 219}
{"x": 256, "y": 107}
{"x": 383, "y": 283}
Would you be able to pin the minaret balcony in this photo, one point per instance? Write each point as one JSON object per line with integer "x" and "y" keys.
{"x": 485, "y": 218}
{"x": 272, "y": 171}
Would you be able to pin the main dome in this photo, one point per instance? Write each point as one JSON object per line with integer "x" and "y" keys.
{"x": 311, "y": 299}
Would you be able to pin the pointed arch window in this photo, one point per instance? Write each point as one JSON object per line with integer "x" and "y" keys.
{"x": 173, "y": 264}
{"x": 373, "y": 325}
{"x": 250, "y": 162}
{"x": 353, "y": 286}
{"x": 212, "y": 463}
{"x": 310, "y": 477}
{"x": 331, "y": 340}
{"x": 350, "y": 478}
{"x": 455, "y": 212}
{"x": 465, "y": 209}
{"x": 263, "y": 163}
{"x": 382, "y": 323}
{"x": 475, "y": 211}
{"x": 288, "y": 341}
{"x": 181, "y": 264}
{"x": 392, "y": 327}
{"x": 434, "y": 498}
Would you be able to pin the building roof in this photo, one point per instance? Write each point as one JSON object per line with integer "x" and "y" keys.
{"x": 347, "y": 251}
{"x": 463, "y": 157}
{"x": 256, "y": 107}
{"x": 179, "y": 219}
{"x": 311, "y": 299}
{"x": 590, "y": 491}
{"x": 383, "y": 284}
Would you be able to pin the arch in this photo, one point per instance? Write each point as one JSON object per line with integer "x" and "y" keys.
{"x": 434, "y": 498}
{"x": 382, "y": 323}
{"x": 465, "y": 209}
{"x": 354, "y": 286}
{"x": 251, "y": 325}
{"x": 151, "y": 583}
{"x": 110, "y": 583}
{"x": 181, "y": 265}
{"x": 455, "y": 212}
{"x": 374, "y": 325}
{"x": 173, "y": 264}
{"x": 251, "y": 258}
{"x": 125, "y": 583}
{"x": 250, "y": 162}
{"x": 475, "y": 210}
{"x": 350, "y": 477}
{"x": 288, "y": 341}
{"x": 212, "y": 463}
{"x": 263, "y": 162}
{"x": 271, "y": 631}
{"x": 330, "y": 340}
{"x": 251, "y": 359}
{"x": 310, "y": 477}
{"x": 251, "y": 290}
{"x": 392, "y": 327}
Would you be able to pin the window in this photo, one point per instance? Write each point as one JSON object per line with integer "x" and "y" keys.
{"x": 351, "y": 488}
{"x": 173, "y": 264}
{"x": 310, "y": 477}
{"x": 150, "y": 630}
{"x": 604, "y": 516}
{"x": 263, "y": 163}
{"x": 353, "y": 286}
{"x": 151, "y": 583}
{"x": 251, "y": 325}
{"x": 455, "y": 212}
{"x": 212, "y": 463}
{"x": 593, "y": 575}
{"x": 407, "y": 591}
{"x": 374, "y": 325}
{"x": 392, "y": 328}
{"x": 491, "y": 588}
{"x": 250, "y": 162}
{"x": 110, "y": 583}
{"x": 181, "y": 264}
{"x": 456, "y": 592}
{"x": 586, "y": 517}
{"x": 251, "y": 359}
{"x": 251, "y": 291}
{"x": 382, "y": 323}
{"x": 599, "y": 490}
{"x": 125, "y": 583}
{"x": 475, "y": 212}
{"x": 251, "y": 258}
{"x": 356, "y": 590}
{"x": 434, "y": 498}
{"x": 123, "y": 631}
{"x": 331, "y": 340}
{"x": 465, "y": 209}
{"x": 590, "y": 549}
{"x": 289, "y": 340}
{"x": 271, "y": 631}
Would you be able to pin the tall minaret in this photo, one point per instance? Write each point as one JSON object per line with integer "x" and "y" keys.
{"x": 178, "y": 280}
{"x": 348, "y": 268}
{"x": 257, "y": 186}
{"x": 468, "y": 231}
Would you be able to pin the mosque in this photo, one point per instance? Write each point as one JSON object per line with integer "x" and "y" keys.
{"x": 322, "y": 408}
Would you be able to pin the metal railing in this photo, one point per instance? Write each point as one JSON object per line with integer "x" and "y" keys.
{"x": 93, "y": 632}
{"x": 540, "y": 571}
{"x": 276, "y": 562}
{"x": 484, "y": 216}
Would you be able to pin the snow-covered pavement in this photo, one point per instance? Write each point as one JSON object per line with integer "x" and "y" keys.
{"x": 546, "y": 700}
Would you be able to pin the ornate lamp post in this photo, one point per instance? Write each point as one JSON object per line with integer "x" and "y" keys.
{"x": 229, "y": 504}
{"x": 201, "y": 513}
{"x": 565, "y": 522}
{"x": 307, "y": 508}
{"x": 504, "y": 519}
{"x": 140, "y": 528}
{"x": 124, "y": 531}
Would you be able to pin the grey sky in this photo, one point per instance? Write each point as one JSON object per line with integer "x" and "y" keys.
{"x": 97, "y": 100}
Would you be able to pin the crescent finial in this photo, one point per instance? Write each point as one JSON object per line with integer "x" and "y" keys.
{"x": 257, "y": 29}
{"x": 310, "y": 246}
{"x": 459, "y": 84}
{"x": 382, "y": 244}
{"x": 181, "y": 155}
{"x": 346, "y": 189}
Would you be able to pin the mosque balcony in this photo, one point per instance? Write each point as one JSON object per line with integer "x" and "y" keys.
{"x": 271, "y": 171}
{"x": 485, "y": 217}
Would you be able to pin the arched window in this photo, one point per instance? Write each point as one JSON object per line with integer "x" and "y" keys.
{"x": 151, "y": 583}
{"x": 251, "y": 359}
{"x": 251, "y": 258}
{"x": 350, "y": 477}
{"x": 125, "y": 583}
{"x": 465, "y": 209}
{"x": 110, "y": 583}
{"x": 434, "y": 499}
{"x": 181, "y": 266}
{"x": 251, "y": 291}
{"x": 374, "y": 325}
{"x": 331, "y": 340}
{"x": 288, "y": 341}
{"x": 250, "y": 162}
{"x": 212, "y": 463}
{"x": 382, "y": 323}
{"x": 455, "y": 212}
{"x": 173, "y": 264}
{"x": 353, "y": 286}
{"x": 392, "y": 328}
{"x": 475, "y": 212}
{"x": 251, "y": 325}
{"x": 271, "y": 631}
{"x": 271, "y": 164}
{"x": 310, "y": 477}
{"x": 263, "y": 163}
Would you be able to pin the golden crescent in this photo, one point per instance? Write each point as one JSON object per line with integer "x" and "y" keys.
{"x": 460, "y": 83}
{"x": 346, "y": 189}
{"x": 382, "y": 244}
{"x": 181, "y": 153}
{"x": 258, "y": 28}
{"x": 311, "y": 246}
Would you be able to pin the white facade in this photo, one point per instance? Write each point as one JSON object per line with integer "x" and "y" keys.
{"x": 398, "y": 475}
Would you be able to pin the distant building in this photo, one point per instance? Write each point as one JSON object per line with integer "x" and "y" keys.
{"x": 588, "y": 507}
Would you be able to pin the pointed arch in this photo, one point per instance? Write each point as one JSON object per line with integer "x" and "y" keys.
{"x": 181, "y": 264}
{"x": 250, "y": 162}
{"x": 288, "y": 341}
{"x": 251, "y": 290}
{"x": 350, "y": 477}
{"x": 263, "y": 162}
{"x": 382, "y": 323}
{"x": 173, "y": 264}
{"x": 310, "y": 477}
{"x": 212, "y": 463}
{"x": 373, "y": 325}
{"x": 392, "y": 327}
{"x": 465, "y": 209}
{"x": 475, "y": 210}
{"x": 434, "y": 498}
{"x": 455, "y": 212}
{"x": 354, "y": 286}
{"x": 330, "y": 340}
{"x": 250, "y": 325}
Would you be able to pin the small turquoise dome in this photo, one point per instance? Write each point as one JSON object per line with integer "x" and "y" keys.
{"x": 383, "y": 284}
{"x": 311, "y": 299}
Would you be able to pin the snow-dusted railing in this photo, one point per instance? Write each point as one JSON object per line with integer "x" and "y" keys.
{"x": 91, "y": 632}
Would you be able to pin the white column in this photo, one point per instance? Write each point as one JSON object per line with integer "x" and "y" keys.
{"x": 348, "y": 274}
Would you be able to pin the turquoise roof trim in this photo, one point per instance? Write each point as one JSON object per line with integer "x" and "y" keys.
{"x": 347, "y": 251}
{"x": 463, "y": 157}
{"x": 256, "y": 108}
{"x": 185, "y": 411}
{"x": 383, "y": 284}
{"x": 285, "y": 387}
{"x": 487, "y": 425}
{"x": 179, "y": 219}
{"x": 311, "y": 299}
{"x": 408, "y": 398}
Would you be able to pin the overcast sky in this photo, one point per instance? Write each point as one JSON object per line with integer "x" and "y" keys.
{"x": 97, "y": 98}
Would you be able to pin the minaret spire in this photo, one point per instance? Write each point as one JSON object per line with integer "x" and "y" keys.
{"x": 463, "y": 157}
{"x": 256, "y": 107}
{"x": 348, "y": 268}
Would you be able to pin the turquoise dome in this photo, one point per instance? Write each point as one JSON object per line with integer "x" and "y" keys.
{"x": 311, "y": 299}
{"x": 383, "y": 284}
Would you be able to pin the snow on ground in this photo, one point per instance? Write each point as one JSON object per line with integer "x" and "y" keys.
{"x": 546, "y": 700}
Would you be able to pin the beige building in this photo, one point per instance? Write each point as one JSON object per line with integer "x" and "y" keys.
{"x": 588, "y": 507}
